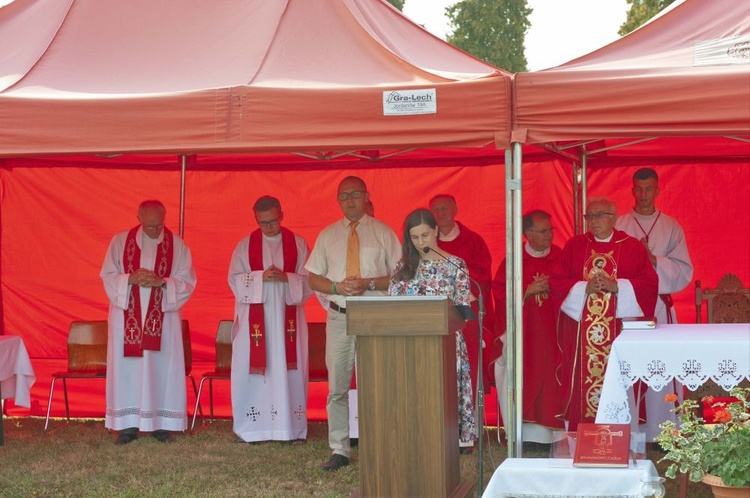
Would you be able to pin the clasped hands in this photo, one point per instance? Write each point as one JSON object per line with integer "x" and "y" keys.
{"x": 539, "y": 285}
{"x": 273, "y": 274}
{"x": 601, "y": 283}
{"x": 352, "y": 286}
{"x": 145, "y": 278}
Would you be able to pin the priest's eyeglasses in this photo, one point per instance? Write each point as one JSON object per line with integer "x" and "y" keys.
{"x": 597, "y": 216}
{"x": 269, "y": 223}
{"x": 357, "y": 194}
{"x": 546, "y": 231}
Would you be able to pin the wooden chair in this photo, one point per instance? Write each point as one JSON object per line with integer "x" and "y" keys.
{"x": 87, "y": 358}
{"x": 316, "y": 345}
{"x": 188, "y": 352}
{"x": 222, "y": 370}
{"x": 729, "y": 302}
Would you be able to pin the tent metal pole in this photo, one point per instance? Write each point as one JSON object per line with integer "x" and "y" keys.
{"x": 576, "y": 199}
{"x": 584, "y": 188}
{"x": 514, "y": 306}
{"x": 183, "y": 170}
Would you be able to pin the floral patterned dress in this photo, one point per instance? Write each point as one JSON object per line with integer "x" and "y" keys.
{"x": 442, "y": 278}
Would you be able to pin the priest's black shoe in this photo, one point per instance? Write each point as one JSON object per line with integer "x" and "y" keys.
{"x": 125, "y": 438}
{"x": 163, "y": 436}
{"x": 335, "y": 462}
{"x": 353, "y": 442}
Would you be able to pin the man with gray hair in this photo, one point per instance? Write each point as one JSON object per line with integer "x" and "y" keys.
{"x": 600, "y": 277}
{"x": 148, "y": 277}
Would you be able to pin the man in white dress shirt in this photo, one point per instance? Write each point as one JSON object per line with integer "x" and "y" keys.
{"x": 351, "y": 257}
{"x": 269, "y": 345}
{"x": 667, "y": 249}
{"x": 148, "y": 277}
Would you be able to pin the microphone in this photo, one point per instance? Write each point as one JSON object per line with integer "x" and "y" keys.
{"x": 427, "y": 249}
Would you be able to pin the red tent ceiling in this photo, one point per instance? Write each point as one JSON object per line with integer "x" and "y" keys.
{"x": 189, "y": 76}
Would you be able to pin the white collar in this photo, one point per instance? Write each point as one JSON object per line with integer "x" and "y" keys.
{"x": 534, "y": 253}
{"x": 452, "y": 235}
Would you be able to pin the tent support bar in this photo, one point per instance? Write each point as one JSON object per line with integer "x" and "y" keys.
{"x": 620, "y": 146}
{"x": 336, "y": 155}
{"x": 584, "y": 189}
{"x": 183, "y": 171}
{"x": 739, "y": 139}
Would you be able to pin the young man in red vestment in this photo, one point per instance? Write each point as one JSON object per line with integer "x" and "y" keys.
{"x": 600, "y": 277}
{"x": 542, "y": 395}
{"x": 455, "y": 238}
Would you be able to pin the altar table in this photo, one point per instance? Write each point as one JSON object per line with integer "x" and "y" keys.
{"x": 16, "y": 374}
{"x": 557, "y": 478}
{"x": 688, "y": 353}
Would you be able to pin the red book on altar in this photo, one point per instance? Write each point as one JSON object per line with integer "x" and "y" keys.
{"x": 602, "y": 445}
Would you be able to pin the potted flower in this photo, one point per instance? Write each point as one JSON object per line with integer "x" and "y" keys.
{"x": 720, "y": 450}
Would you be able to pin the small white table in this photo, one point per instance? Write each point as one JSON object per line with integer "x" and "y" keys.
{"x": 16, "y": 374}
{"x": 688, "y": 353}
{"x": 557, "y": 478}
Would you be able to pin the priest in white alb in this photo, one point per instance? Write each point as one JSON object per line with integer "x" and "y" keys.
{"x": 269, "y": 336}
{"x": 148, "y": 277}
{"x": 665, "y": 242}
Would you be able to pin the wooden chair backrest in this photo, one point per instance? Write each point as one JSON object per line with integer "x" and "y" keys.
{"x": 729, "y": 302}
{"x": 186, "y": 347}
{"x": 316, "y": 344}
{"x": 87, "y": 346}
{"x": 224, "y": 346}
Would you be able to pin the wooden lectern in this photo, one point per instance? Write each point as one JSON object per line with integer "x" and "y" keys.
{"x": 408, "y": 412}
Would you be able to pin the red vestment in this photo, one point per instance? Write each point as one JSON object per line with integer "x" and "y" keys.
{"x": 471, "y": 247}
{"x": 542, "y": 395}
{"x": 585, "y": 343}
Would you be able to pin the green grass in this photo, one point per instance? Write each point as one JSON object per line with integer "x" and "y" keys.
{"x": 79, "y": 459}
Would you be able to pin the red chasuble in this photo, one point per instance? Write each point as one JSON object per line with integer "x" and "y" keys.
{"x": 542, "y": 396}
{"x": 471, "y": 247}
{"x": 585, "y": 345}
{"x": 146, "y": 336}
{"x": 257, "y": 311}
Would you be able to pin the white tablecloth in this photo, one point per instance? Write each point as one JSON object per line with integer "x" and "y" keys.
{"x": 557, "y": 478}
{"x": 688, "y": 353}
{"x": 16, "y": 374}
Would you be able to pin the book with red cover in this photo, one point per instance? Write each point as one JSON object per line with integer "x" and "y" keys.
{"x": 602, "y": 445}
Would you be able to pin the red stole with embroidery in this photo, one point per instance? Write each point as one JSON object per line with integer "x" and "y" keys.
{"x": 257, "y": 312}
{"x": 598, "y": 327}
{"x": 146, "y": 336}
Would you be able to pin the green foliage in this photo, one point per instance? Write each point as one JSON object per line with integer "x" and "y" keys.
{"x": 640, "y": 12}
{"x": 491, "y": 30}
{"x": 399, "y": 4}
{"x": 721, "y": 449}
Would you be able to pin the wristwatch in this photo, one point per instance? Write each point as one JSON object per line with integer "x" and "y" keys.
{"x": 372, "y": 284}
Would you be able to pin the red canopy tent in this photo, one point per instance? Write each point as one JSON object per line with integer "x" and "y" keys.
{"x": 673, "y": 95}
{"x": 208, "y": 106}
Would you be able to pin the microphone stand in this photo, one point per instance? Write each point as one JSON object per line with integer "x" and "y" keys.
{"x": 480, "y": 372}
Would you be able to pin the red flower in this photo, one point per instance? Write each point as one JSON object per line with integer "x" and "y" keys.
{"x": 722, "y": 416}
{"x": 670, "y": 398}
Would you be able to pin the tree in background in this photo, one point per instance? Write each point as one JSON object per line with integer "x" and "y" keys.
{"x": 640, "y": 12}
{"x": 491, "y": 30}
{"x": 399, "y": 4}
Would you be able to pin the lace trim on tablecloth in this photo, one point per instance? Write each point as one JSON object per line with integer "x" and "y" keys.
{"x": 692, "y": 373}
{"x": 526, "y": 495}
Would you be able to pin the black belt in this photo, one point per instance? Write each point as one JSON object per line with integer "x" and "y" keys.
{"x": 336, "y": 307}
